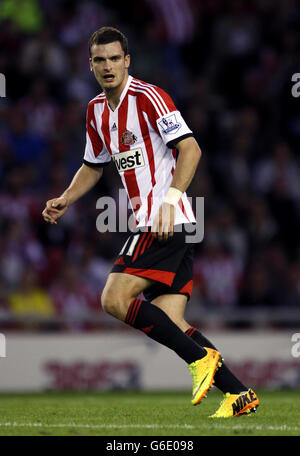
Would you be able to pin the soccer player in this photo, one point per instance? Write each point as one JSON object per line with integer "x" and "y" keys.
{"x": 138, "y": 126}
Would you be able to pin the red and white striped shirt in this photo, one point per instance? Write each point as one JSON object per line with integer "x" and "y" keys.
{"x": 140, "y": 136}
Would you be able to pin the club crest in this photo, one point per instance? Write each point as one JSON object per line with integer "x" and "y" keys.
{"x": 128, "y": 138}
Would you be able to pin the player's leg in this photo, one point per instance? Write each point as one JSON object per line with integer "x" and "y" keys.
{"x": 243, "y": 398}
{"x": 174, "y": 306}
{"x": 119, "y": 298}
{"x": 144, "y": 257}
{"x": 119, "y": 292}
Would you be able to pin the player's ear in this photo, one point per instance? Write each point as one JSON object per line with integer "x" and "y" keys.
{"x": 127, "y": 61}
{"x": 91, "y": 65}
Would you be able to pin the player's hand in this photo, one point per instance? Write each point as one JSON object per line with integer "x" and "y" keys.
{"x": 163, "y": 223}
{"x": 54, "y": 209}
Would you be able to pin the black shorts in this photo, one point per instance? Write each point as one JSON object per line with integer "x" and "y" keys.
{"x": 169, "y": 263}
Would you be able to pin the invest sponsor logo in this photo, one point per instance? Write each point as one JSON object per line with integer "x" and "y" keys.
{"x": 130, "y": 159}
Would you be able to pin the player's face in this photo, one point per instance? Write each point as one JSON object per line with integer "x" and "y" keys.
{"x": 109, "y": 65}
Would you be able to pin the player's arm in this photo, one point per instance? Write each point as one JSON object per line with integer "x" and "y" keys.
{"x": 187, "y": 162}
{"x": 85, "y": 178}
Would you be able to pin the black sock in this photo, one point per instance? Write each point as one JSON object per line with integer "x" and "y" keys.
{"x": 156, "y": 324}
{"x": 225, "y": 380}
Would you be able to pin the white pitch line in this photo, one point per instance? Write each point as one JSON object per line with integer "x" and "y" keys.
{"x": 153, "y": 426}
{"x": 99, "y": 426}
{"x": 258, "y": 427}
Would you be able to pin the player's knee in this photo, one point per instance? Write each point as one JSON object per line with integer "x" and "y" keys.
{"x": 115, "y": 303}
{"x": 109, "y": 301}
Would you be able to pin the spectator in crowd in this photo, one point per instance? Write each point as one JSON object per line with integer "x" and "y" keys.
{"x": 73, "y": 300}
{"x": 29, "y": 303}
{"x": 218, "y": 275}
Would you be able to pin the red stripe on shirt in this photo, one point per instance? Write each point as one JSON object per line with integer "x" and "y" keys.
{"x": 149, "y": 206}
{"x": 147, "y": 105}
{"x": 95, "y": 139}
{"x": 105, "y": 127}
{"x": 149, "y": 150}
{"x": 151, "y": 97}
{"x": 147, "y": 140}
{"x": 162, "y": 98}
{"x": 129, "y": 175}
{"x": 183, "y": 209}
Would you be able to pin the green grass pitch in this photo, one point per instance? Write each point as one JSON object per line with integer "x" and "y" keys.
{"x": 143, "y": 414}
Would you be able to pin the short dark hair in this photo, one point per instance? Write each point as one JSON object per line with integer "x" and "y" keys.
{"x": 106, "y": 35}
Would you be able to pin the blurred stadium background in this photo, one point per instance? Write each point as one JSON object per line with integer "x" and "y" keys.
{"x": 228, "y": 65}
